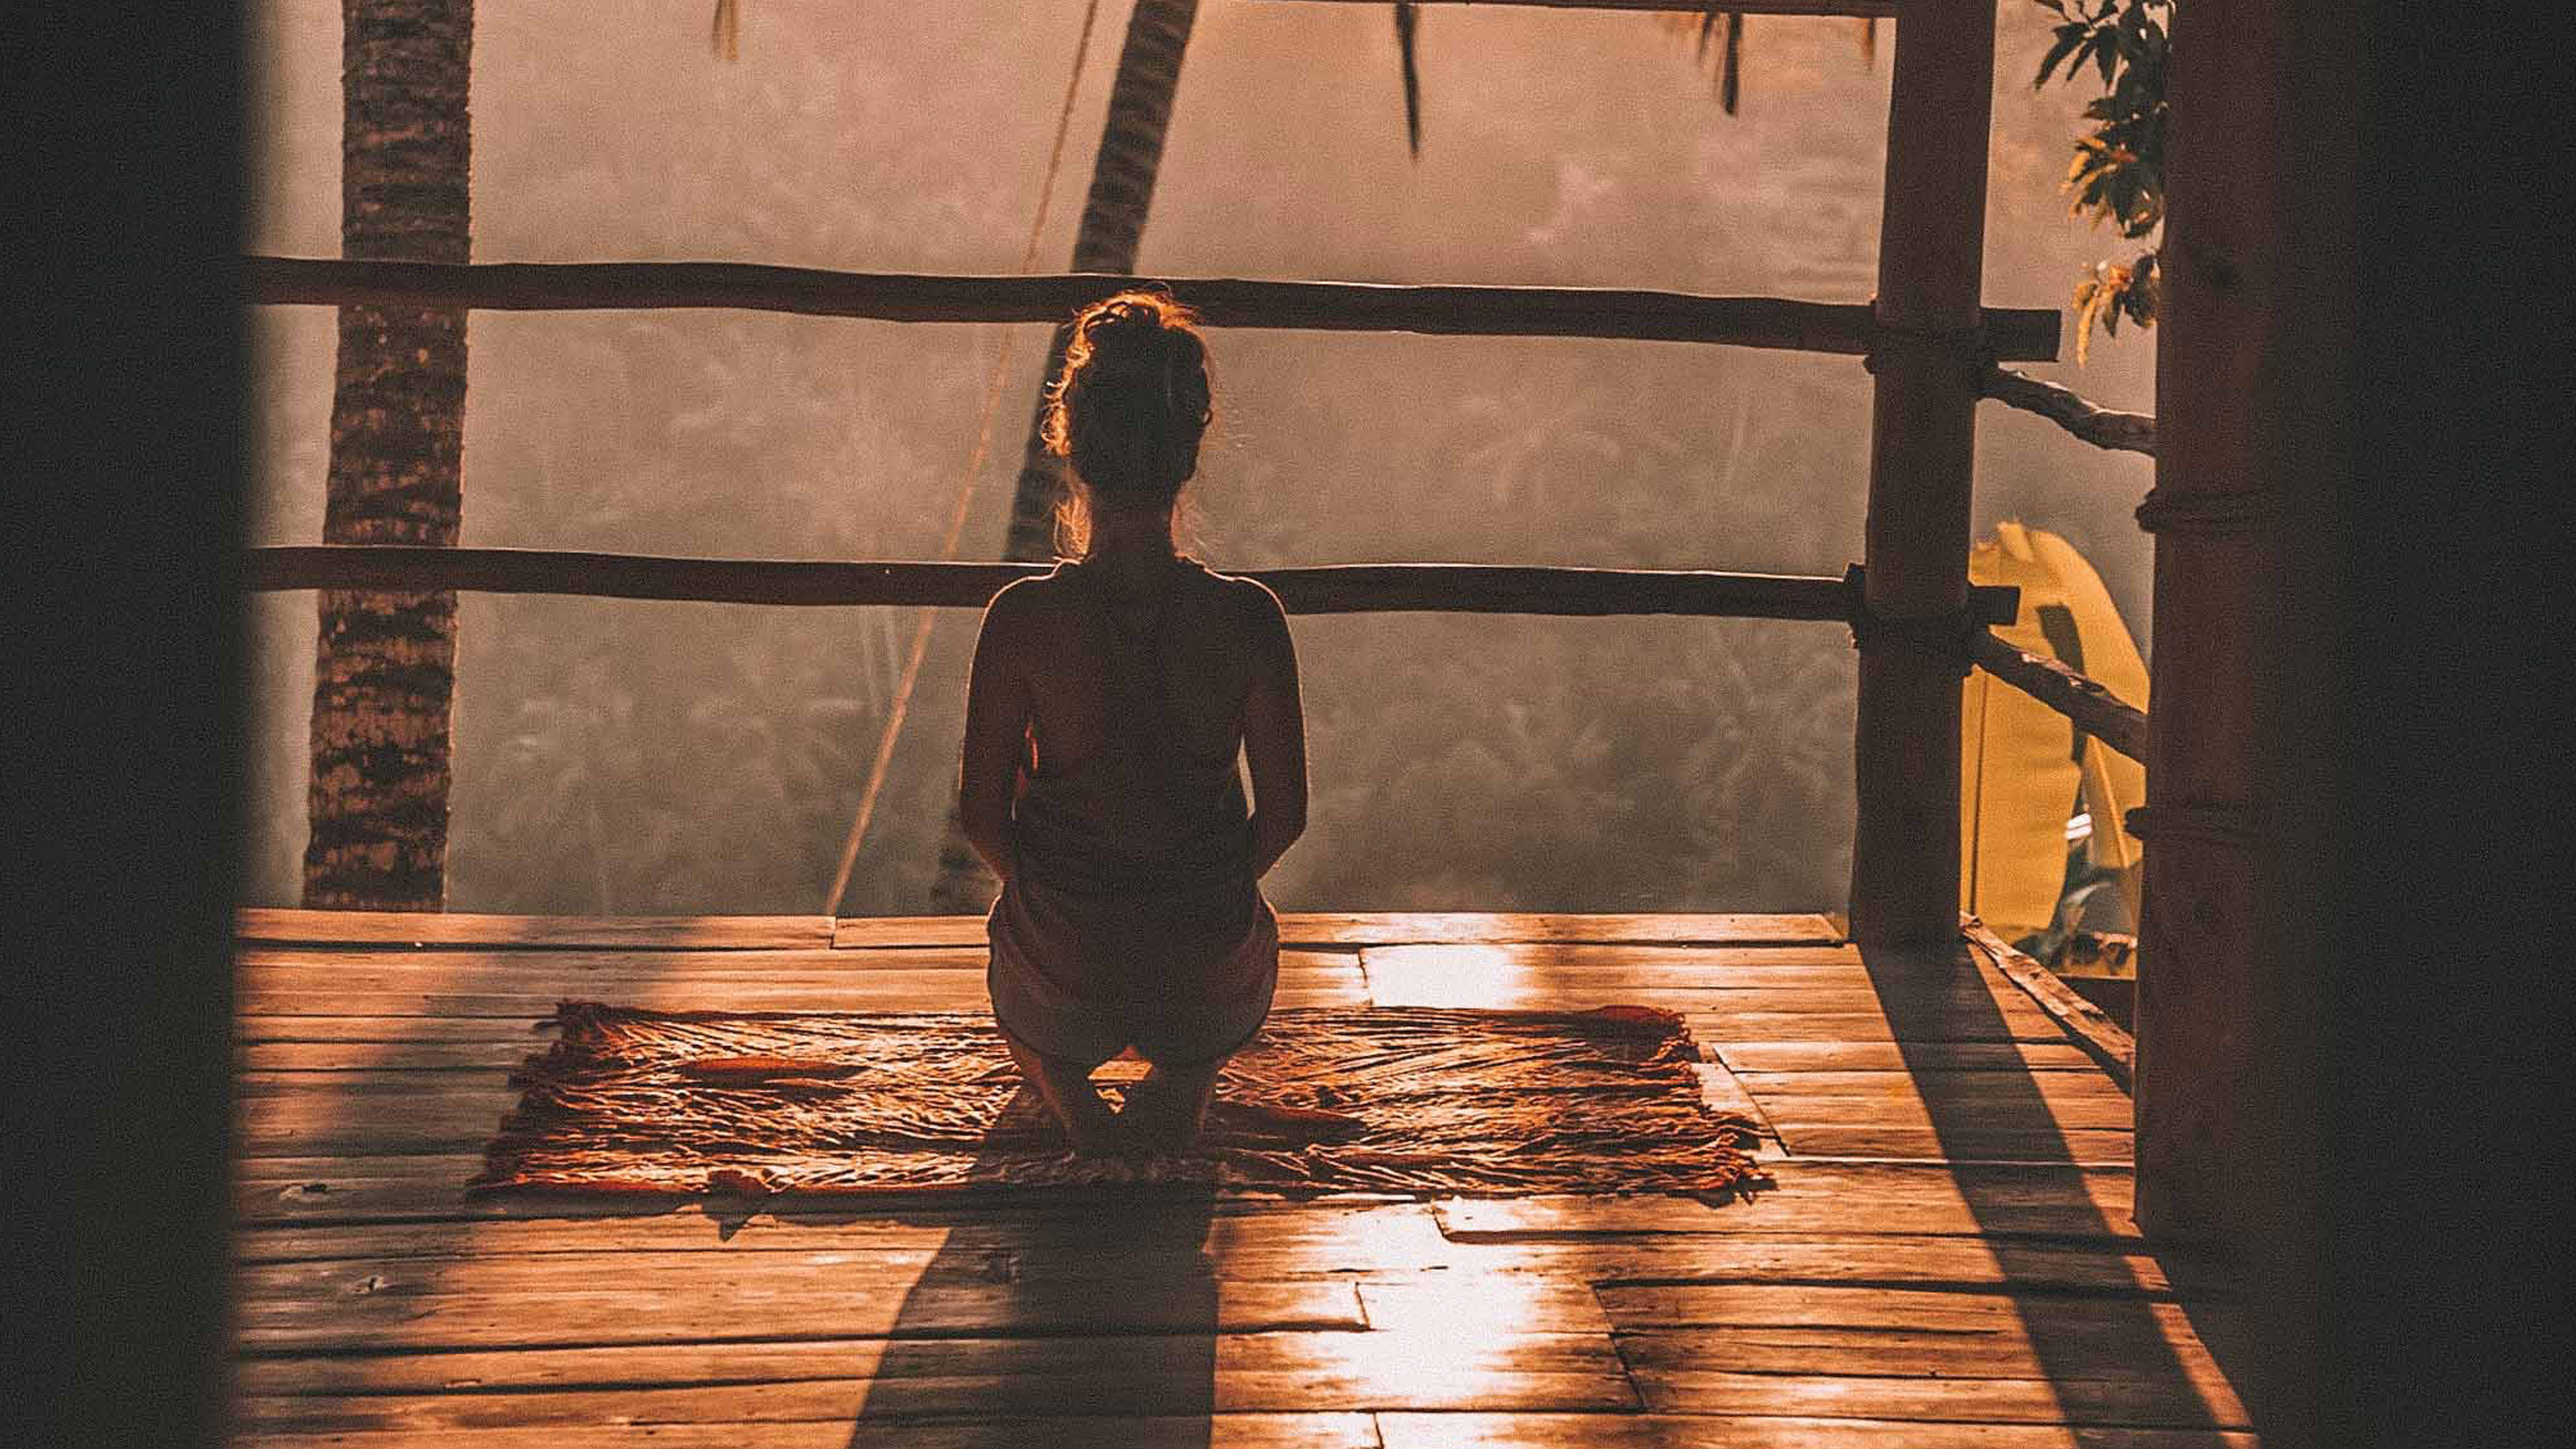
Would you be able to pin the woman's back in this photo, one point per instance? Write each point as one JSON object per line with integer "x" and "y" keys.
{"x": 1136, "y": 714}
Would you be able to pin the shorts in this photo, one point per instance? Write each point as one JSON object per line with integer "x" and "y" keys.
{"x": 1205, "y": 1009}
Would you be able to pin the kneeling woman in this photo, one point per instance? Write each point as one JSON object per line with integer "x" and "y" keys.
{"x": 1108, "y": 702}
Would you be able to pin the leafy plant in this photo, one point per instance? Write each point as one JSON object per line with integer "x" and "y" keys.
{"x": 2117, "y": 174}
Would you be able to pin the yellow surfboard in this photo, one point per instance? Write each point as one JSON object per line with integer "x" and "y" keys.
{"x": 2023, "y": 767}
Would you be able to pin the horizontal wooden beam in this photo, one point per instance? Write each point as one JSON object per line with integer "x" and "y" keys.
{"x": 2092, "y": 1028}
{"x": 2102, "y": 714}
{"x": 2012, "y": 334}
{"x": 1865, "y": 9}
{"x": 2077, "y": 414}
{"x": 1336, "y": 589}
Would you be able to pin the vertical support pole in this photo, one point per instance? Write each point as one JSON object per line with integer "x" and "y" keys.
{"x": 2230, "y": 377}
{"x": 1931, "y": 252}
{"x": 2256, "y": 414}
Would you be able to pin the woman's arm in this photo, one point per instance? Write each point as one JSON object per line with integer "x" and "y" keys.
{"x": 1274, "y": 736}
{"x": 997, "y": 719}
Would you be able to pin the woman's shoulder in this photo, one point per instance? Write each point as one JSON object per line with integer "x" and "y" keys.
{"x": 1235, "y": 601}
{"x": 1249, "y": 596}
{"x": 1253, "y": 620}
{"x": 1030, "y": 591}
{"x": 1020, "y": 604}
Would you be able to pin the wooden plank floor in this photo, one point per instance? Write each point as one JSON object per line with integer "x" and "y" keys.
{"x": 1943, "y": 1256}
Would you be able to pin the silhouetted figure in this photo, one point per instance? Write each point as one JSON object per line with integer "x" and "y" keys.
{"x": 1107, "y": 705}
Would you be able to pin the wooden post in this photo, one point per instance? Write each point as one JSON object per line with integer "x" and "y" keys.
{"x": 2254, "y": 457}
{"x": 1931, "y": 249}
{"x": 2225, "y": 379}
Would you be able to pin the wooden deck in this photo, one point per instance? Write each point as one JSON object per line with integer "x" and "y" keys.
{"x": 1945, "y": 1258}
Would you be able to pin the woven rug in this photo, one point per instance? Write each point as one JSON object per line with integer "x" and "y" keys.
{"x": 1408, "y": 1100}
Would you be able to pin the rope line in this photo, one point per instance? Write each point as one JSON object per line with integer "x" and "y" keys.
{"x": 884, "y": 761}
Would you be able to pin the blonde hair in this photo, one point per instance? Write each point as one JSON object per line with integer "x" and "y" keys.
{"x": 1127, "y": 410}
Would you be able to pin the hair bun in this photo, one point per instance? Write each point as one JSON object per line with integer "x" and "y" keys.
{"x": 1129, "y": 337}
{"x": 1132, "y": 398}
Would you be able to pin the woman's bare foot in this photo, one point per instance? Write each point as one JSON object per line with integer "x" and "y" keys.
{"x": 1089, "y": 1125}
{"x": 1100, "y": 1135}
{"x": 1166, "y": 1111}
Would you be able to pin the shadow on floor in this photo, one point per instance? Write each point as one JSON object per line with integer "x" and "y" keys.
{"x": 2109, "y": 1355}
{"x": 1033, "y": 1318}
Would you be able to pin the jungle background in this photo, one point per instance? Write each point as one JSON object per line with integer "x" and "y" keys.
{"x": 623, "y": 757}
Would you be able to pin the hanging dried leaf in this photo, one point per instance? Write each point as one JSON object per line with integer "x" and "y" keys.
{"x": 724, "y": 35}
{"x": 1730, "y": 75}
{"x": 1408, "y": 17}
{"x": 1715, "y": 35}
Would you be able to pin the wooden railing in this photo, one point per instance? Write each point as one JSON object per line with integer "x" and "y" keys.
{"x": 1330, "y": 589}
{"x": 2086, "y": 701}
{"x": 1848, "y": 328}
{"x": 1334, "y": 589}
{"x": 1854, "y": 329}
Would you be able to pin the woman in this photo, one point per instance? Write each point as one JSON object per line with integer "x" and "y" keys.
{"x": 1106, "y": 707}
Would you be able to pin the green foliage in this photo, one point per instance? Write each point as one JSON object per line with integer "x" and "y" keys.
{"x": 2117, "y": 173}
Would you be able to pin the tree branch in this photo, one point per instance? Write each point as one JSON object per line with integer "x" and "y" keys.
{"x": 2077, "y": 414}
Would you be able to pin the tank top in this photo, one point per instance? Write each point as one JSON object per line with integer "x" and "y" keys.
{"x": 1143, "y": 815}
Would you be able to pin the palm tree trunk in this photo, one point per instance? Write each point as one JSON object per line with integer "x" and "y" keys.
{"x": 1113, "y": 223}
{"x": 384, "y": 671}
